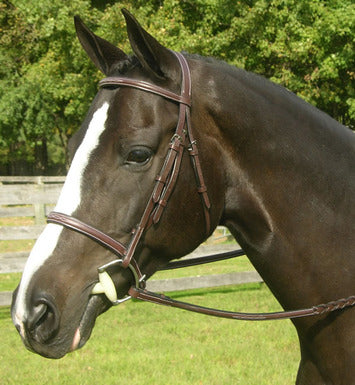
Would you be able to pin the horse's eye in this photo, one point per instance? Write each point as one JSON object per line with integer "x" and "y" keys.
{"x": 139, "y": 156}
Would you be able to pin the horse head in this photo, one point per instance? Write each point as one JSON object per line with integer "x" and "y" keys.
{"x": 116, "y": 159}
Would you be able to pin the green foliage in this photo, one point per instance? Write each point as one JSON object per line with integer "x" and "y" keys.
{"x": 44, "y": 91}
{"x": 46, "y": 81}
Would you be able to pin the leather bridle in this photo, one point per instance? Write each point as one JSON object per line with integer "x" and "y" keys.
{"x": 164, "y": 186}
{"x": 164, "y": 182}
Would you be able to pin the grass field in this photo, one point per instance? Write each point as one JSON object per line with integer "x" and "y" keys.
{"x": 141, "y": 343}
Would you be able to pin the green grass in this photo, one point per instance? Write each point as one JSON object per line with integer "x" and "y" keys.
{"x": 14, "y": 246}
{"x": 8, "y": 282}
{"x": 142, "y": 343}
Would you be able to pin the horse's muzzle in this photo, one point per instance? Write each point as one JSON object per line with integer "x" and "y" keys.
{"x": 41, "y": 324}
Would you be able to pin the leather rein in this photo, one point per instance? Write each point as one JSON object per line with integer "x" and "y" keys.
{"x": 164, "y": 186}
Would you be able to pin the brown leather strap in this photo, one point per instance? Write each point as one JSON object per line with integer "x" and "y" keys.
{"x": 166, "y": 180}
{"x": 144, "y": 86}
{"x": 202, "y": 189}
{"x": 203, "y": 260}
{"x": 98, "y": 236}
{"x": 148, "y": 296}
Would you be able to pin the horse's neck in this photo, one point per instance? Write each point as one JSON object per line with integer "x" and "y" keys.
{"x": 290, "y": 202}
{"x": 286, "y": 202}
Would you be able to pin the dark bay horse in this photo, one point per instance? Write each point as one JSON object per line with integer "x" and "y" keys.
{"x": 279, "y": 173}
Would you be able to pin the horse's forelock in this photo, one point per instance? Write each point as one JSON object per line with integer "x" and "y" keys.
{"x": 123, "y": 66}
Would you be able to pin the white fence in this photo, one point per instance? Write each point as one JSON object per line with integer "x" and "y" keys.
{"x": 35, "y": 196}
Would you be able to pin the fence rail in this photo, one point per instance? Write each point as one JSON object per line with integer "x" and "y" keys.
{"x": 28, "y": 197}
{"x": 36, "y": 196}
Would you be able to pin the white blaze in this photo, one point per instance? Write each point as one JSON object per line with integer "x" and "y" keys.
{"x": 68, "y": 201}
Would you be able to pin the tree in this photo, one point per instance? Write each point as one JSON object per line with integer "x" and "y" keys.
{"x": 305, "y": 45}
{"x": 44, "y": 91}
{"x": 47, "y": 82}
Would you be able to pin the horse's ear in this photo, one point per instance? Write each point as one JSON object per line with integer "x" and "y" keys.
{"x": 154, "y": 57}
{"x": 101, "y": 52}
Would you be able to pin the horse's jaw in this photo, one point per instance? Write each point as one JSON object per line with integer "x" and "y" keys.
{"x": 95, "y": 306}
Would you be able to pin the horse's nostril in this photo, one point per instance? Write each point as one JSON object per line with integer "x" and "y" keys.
{"x": 43, "y": 321}
{"x": 38, "y": 315}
